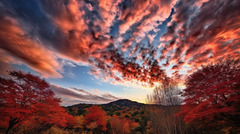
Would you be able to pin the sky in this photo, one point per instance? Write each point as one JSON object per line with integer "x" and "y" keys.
{"x": 98, "y": 51}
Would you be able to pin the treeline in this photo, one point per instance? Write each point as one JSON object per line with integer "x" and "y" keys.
{"x": 122, "y": 116}
{"x": 27, "y": 105}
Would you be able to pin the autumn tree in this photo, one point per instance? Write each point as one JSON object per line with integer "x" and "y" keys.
{"x": 79, "y": 122}
{"x": 28, "y": 98}
{"x": 95, "y": 119}
{"x": 122, "y": 126}
{"x": 212, "y": 96}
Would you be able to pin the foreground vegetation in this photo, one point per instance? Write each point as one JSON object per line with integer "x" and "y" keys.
{"x": 211, "y": 105}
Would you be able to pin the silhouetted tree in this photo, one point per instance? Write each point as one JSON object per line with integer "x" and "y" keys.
{"x": 167, "y": 100}
{"x": 167, "y": 94}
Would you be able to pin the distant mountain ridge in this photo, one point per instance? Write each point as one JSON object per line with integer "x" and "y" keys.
{"x": 125, "y": 102}
{"x": 110, "y": 108}
{"x": 120, "y": 102}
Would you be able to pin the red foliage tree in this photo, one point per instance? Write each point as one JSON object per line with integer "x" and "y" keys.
{"x": 25, "y": 97}
{"x": 212, "y": 95}
{"x": 122, "y": 126}
{"x": 95, "y": 118}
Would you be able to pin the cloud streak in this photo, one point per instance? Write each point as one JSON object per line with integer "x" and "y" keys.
{"x": 70, "y": 96}
{"x": 16, "y": 45}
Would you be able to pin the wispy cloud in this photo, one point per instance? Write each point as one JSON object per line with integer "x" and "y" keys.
{"x": 16, "y": 45}
{"x": 70, "y": 96}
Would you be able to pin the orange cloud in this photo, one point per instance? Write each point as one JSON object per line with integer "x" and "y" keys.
{"x": 15, "y": 43}
{"x": 203, "y": 35}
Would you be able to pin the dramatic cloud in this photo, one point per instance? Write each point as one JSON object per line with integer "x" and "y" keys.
{"x": 203, "y": 32}
{"x": 15, "y": 43}
{"x": 123, "y": 41}
{"x": 70, "y": 96}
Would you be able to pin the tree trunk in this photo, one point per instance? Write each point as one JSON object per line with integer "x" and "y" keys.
{"x": 10, "y": 126}
{"x": 8, "y": 130}
{"x": 12, "y": 123}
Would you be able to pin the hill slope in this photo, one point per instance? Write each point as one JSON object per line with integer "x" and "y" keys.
{"x": 125, "y": 102}
{"x": 110, "y": 108}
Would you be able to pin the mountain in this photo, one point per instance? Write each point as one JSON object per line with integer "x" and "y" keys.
{"x": 110, "y": 108}
{"x": 125, "y": 103}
